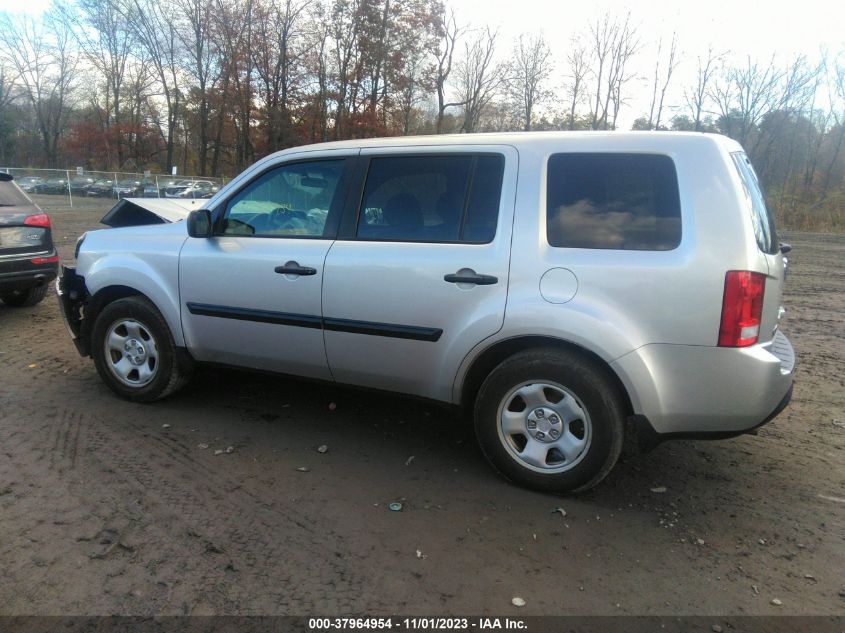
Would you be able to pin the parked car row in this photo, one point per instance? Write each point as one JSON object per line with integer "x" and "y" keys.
{"x": 91, "y": 187}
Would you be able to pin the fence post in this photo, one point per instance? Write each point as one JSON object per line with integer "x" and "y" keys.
{"x": 69, "y": 193}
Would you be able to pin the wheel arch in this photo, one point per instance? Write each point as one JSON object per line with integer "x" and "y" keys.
{"x": 100, "y": 299}
{"x": 496, "y": 353}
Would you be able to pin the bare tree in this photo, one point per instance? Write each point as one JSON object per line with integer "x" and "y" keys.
{"x": 696, "y": 96}
{"x": 156, "y": 27}
{"x": 100, "y": 30}
{"x": 197, "y": 39}
{"x": 344, "y": 23}
{"x": 579, "y": 67}
{"x": 836, "y": 92}
{"x": 530, "y": 68}
{"x": 7, "y": 98}
{"x": 661, "y": 81}
{"x": 317, "y": 62}
{"x": 277, "y": 65}
{"x": 743, "y": 95}
{"x": 445, "y": 53}
{"x": 43, "y": 62}
{"x": 478, "y": 78}
{"x": 613, "y": 43}
{"x": 626, "y": 47}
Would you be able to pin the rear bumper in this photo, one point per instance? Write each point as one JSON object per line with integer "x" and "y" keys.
{"x": 697, "y": 391}
{"x": 647, "y": 438}
{"x": 20, "y": 273}
{"x": 72, "y": 295}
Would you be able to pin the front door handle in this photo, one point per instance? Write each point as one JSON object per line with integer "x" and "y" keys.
{"x": 293, "y": 268}
{"x": 470, "y": 277}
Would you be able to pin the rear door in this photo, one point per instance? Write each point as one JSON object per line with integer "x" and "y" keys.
{"x": 419, "y": 274}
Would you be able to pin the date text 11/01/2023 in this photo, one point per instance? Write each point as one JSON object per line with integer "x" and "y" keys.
{"x": 416, "y": 624}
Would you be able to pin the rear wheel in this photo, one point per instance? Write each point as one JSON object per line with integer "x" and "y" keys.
{"x": 25, "y": 298}
{"x": 551, "y": 420}
{"x": 134, "y": 352}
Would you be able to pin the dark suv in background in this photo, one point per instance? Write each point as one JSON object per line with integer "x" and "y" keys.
{"x": 28, "y": 260}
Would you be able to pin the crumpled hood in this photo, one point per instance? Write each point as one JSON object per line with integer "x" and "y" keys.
{"x": 140, "y": 211}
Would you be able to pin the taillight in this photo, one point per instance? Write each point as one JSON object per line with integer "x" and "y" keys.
{"x": 39, "y": 219}
{"x": 44, "y": 260}
{"x": 742, "y": 307}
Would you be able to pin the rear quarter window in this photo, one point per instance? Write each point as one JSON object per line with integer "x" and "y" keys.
{"x": 613, "y": 201}
{"x": 761, "y": 219}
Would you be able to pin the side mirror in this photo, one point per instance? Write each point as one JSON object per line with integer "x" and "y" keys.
{"x": 199, "y": 223}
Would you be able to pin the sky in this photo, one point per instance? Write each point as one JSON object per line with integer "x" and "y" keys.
{"x": 756, "y": 28}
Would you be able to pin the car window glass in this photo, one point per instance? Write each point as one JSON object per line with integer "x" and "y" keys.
{"x": 613, "y": 201}
{"x": 11, "y": 195}
{"x": 761, "y": 219}
{"x": 485, "y": 193}
{"x": 431, "y": 198}
{"x": 289, "y": 201}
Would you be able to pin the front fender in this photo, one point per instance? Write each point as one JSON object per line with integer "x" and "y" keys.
{"x": 152, "y": 269}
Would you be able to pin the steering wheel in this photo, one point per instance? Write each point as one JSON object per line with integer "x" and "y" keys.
{"x": 281, "y": 218}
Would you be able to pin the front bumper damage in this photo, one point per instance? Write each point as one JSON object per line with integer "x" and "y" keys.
{"x": 72, "y": 296}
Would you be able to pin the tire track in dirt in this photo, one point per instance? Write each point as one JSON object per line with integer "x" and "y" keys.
{"x": 299, "y": 566}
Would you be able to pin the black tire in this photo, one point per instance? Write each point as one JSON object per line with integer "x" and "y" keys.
{"x": 593, "y": 394}
{"x": 173, "y": 366}
{"x": 25, "y": 298}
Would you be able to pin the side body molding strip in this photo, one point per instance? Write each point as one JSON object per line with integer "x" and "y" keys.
{"x": 391, "y": 330}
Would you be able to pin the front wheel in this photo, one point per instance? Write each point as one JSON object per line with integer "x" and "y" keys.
{"x": 551, "y": 420}
{"x": 134, "y": 352}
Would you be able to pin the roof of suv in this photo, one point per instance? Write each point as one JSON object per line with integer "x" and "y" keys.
{"x": 633, "y": 140}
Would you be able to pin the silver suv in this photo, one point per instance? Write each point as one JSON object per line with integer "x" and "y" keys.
{"x": 571, "y": 291}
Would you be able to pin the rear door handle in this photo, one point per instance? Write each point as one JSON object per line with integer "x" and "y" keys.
{"x": 471, "y": 278}
{"x": 293, "y": 268}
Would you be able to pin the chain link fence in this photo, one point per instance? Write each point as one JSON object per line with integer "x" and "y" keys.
{"x": 62, "y": 188}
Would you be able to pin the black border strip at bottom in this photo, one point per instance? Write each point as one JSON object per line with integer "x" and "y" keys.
{"x": 510, "y": 622}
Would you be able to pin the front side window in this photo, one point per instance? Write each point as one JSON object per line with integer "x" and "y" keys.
{"x": 764, "y": 225}
{"x": 435, "y": 198}
{"x": 289, "y": 201}
{"x": 613, "y": 201}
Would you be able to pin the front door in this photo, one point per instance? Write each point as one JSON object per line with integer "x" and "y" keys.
{"x": 250, "y": 295}
{"x": 421, "y": 274}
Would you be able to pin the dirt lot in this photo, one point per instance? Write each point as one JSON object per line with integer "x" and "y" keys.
{"x": 108, "y": 507}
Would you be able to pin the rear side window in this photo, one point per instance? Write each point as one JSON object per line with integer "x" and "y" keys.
{"x": 613, "y": 201}
{"x": 12, "y": 196}
{"x": 433, "y": 198}
{"x": 764, "y": 224}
